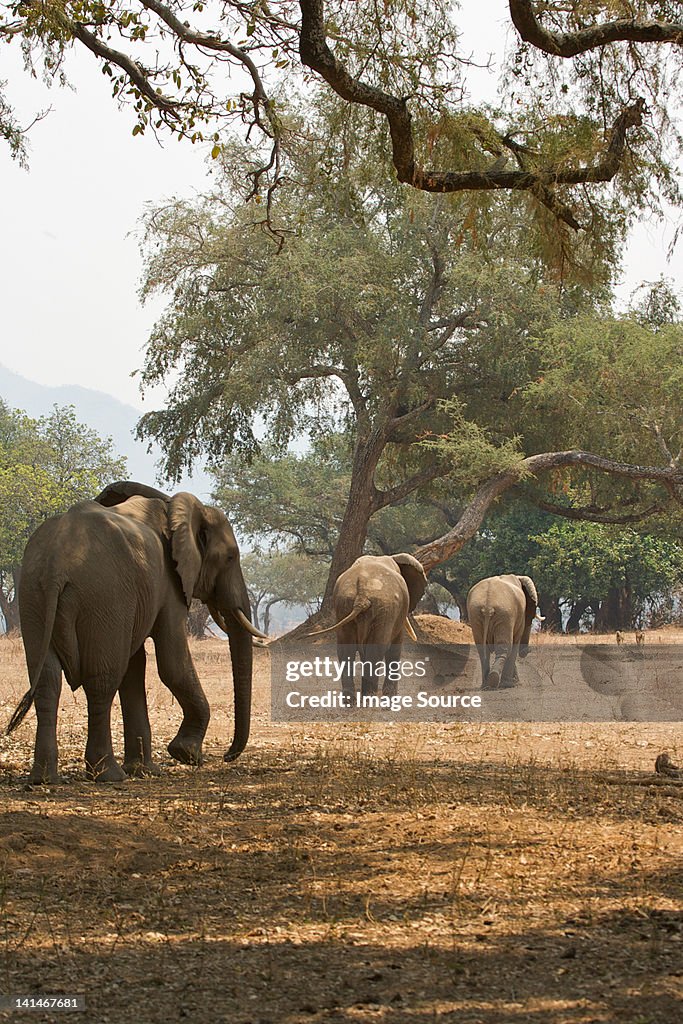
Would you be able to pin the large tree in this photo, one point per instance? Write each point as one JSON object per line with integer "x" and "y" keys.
{"x": 586, "y": 97}
{"x": 379, "y": 307}
{"x": 614, "y": 384}
{"x": 437, "y": 349}
{"x": 46, "y": 465}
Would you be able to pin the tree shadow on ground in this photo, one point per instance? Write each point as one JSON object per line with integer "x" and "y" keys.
{"x": 343, "y": 887}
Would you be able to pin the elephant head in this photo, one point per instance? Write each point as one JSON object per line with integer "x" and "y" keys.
{"x": 414, "y": 575}
{"x": 531, "y": 595}
{"x": 207, "y": 561}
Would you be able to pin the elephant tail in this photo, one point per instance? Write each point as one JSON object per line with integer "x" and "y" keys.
{"x": 360, "y": 605}
{"x": 24, "y": 705}
{"x": 488, "y": 612}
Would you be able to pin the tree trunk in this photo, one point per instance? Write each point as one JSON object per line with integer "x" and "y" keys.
{"x": 359, "y": 508}
{"x": 9, "y": 602}
{"x": 553, "y": 613}
{"x": 266, "y": 613}
{"x": 578, "y": 610}
{"x": 616, "y": 611}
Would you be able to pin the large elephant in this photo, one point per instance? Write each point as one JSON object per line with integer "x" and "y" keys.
{"x": 500, "y": 611}
{"x": 372, "y": 600}
{"x": 99, "y": 579}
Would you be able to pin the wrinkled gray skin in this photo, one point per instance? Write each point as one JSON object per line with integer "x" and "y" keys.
{"x": 371, "y": 601}
{"x": 99, "y": 579}
{"x": 500, "y": 610}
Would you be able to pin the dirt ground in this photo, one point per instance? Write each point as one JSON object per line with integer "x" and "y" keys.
{"x": 365, "y": 873}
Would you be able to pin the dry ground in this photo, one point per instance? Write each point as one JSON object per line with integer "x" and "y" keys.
{"x": 392, "y": 873}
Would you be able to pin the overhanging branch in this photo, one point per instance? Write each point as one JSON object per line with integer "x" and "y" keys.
{"x": 444, "y": 547}
{"x": 592, "y": 515}
{"x": 570, "y": 44}
{"x": 317, "y": 55}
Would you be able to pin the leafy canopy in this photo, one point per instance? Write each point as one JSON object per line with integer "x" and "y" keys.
{"x": 46, "y": 465}
{"x": 588, "y": 91}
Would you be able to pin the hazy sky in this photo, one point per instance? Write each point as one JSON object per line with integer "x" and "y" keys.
{"x": 69, "y": 269}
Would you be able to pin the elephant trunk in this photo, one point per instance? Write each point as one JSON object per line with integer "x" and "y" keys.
{"x": 232, "y": 615}
{"x": 241, "y": 654}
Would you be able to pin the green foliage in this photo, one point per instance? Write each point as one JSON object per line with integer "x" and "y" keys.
{"x": 472, "y": 454}
{"x": 291, "y": 498}
{"x": 282, "y": 577}
{"x": 615, "y": 383}
{"x": 589, "y": 560}
{"x": 46, "y": 465}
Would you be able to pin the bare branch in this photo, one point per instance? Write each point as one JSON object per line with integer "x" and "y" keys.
{"x": 570, "y": 44}
{"x": 444, "y": 547}
{"x": 316, "y": 54}
{"x": 593, "y": 515}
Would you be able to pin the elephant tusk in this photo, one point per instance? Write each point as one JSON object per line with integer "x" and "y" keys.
{"x": 219, "y": 620}
{"x": 246, "y": 624}
{"x": 409, "y": 630}
{"x": 539, "y": 618}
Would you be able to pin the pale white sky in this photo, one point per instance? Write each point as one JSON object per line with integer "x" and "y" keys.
{"x": 69, "y": 270}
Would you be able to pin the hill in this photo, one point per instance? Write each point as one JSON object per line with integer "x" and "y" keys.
{"x": 106, "y": 414}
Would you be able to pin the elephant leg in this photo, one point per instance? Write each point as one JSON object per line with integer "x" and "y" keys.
{"x": 484, "y": 659}
{"x": 510, "y": 677}
{"x": 46, "y": 701}
{"x": 100, "y": 763}
{"x": 369, "y": 684}
{"x": 137, "y": 734}
{"x": 178, "y": 673}
{"x": 346, "y": 657}
{"x": 501, "y": 653}
{"x": 391, "y": 658}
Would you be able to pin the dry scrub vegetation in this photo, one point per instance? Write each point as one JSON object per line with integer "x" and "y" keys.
{"x": 395, "y": 873}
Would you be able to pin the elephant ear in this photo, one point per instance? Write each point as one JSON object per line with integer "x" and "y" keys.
{"x": 186, "y": 521}
{"x": 413, "y": 573}
{"x": 116, "y": 494}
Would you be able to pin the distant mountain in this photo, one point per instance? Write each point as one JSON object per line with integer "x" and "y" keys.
{"x": 106, "y": 414}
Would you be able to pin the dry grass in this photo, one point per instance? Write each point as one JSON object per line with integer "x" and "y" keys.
{"x": 358, "y": 873}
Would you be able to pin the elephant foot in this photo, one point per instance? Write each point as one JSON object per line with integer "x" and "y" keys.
{"x": 508, "y": 684}
{"x": 185, "y": 751}
{"x": 141, "y": 770}
{"x": 492, "y": 681}
{"x": 102, "y": 773}
{"x": 41, "y": 775}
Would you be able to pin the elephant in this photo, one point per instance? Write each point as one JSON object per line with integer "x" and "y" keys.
{"x": 500, "y": 611}
{"x": 372, "y": 599}
{"x": 96, "y": 582}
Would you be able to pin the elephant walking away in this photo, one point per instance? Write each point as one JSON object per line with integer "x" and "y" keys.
{"x": 500, "y": 611}
{"x": 372, "y": 600}
{"x": 96, "y": 582}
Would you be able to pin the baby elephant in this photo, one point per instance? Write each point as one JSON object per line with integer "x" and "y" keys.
{"x": 372, "y": 600}
{"x": 500, "y": 610}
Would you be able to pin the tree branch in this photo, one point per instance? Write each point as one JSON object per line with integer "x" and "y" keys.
{"x": 570, "y": 44}
{"x": 444, "y": 547}
{"x": 593, "y": 515}
{"x": 317, "y": 55}
{"x": 391, "y": 497}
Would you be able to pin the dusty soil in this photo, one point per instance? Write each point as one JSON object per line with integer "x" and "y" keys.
{"x": 437, "y": 629}
{"x": 398, "y": 873}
